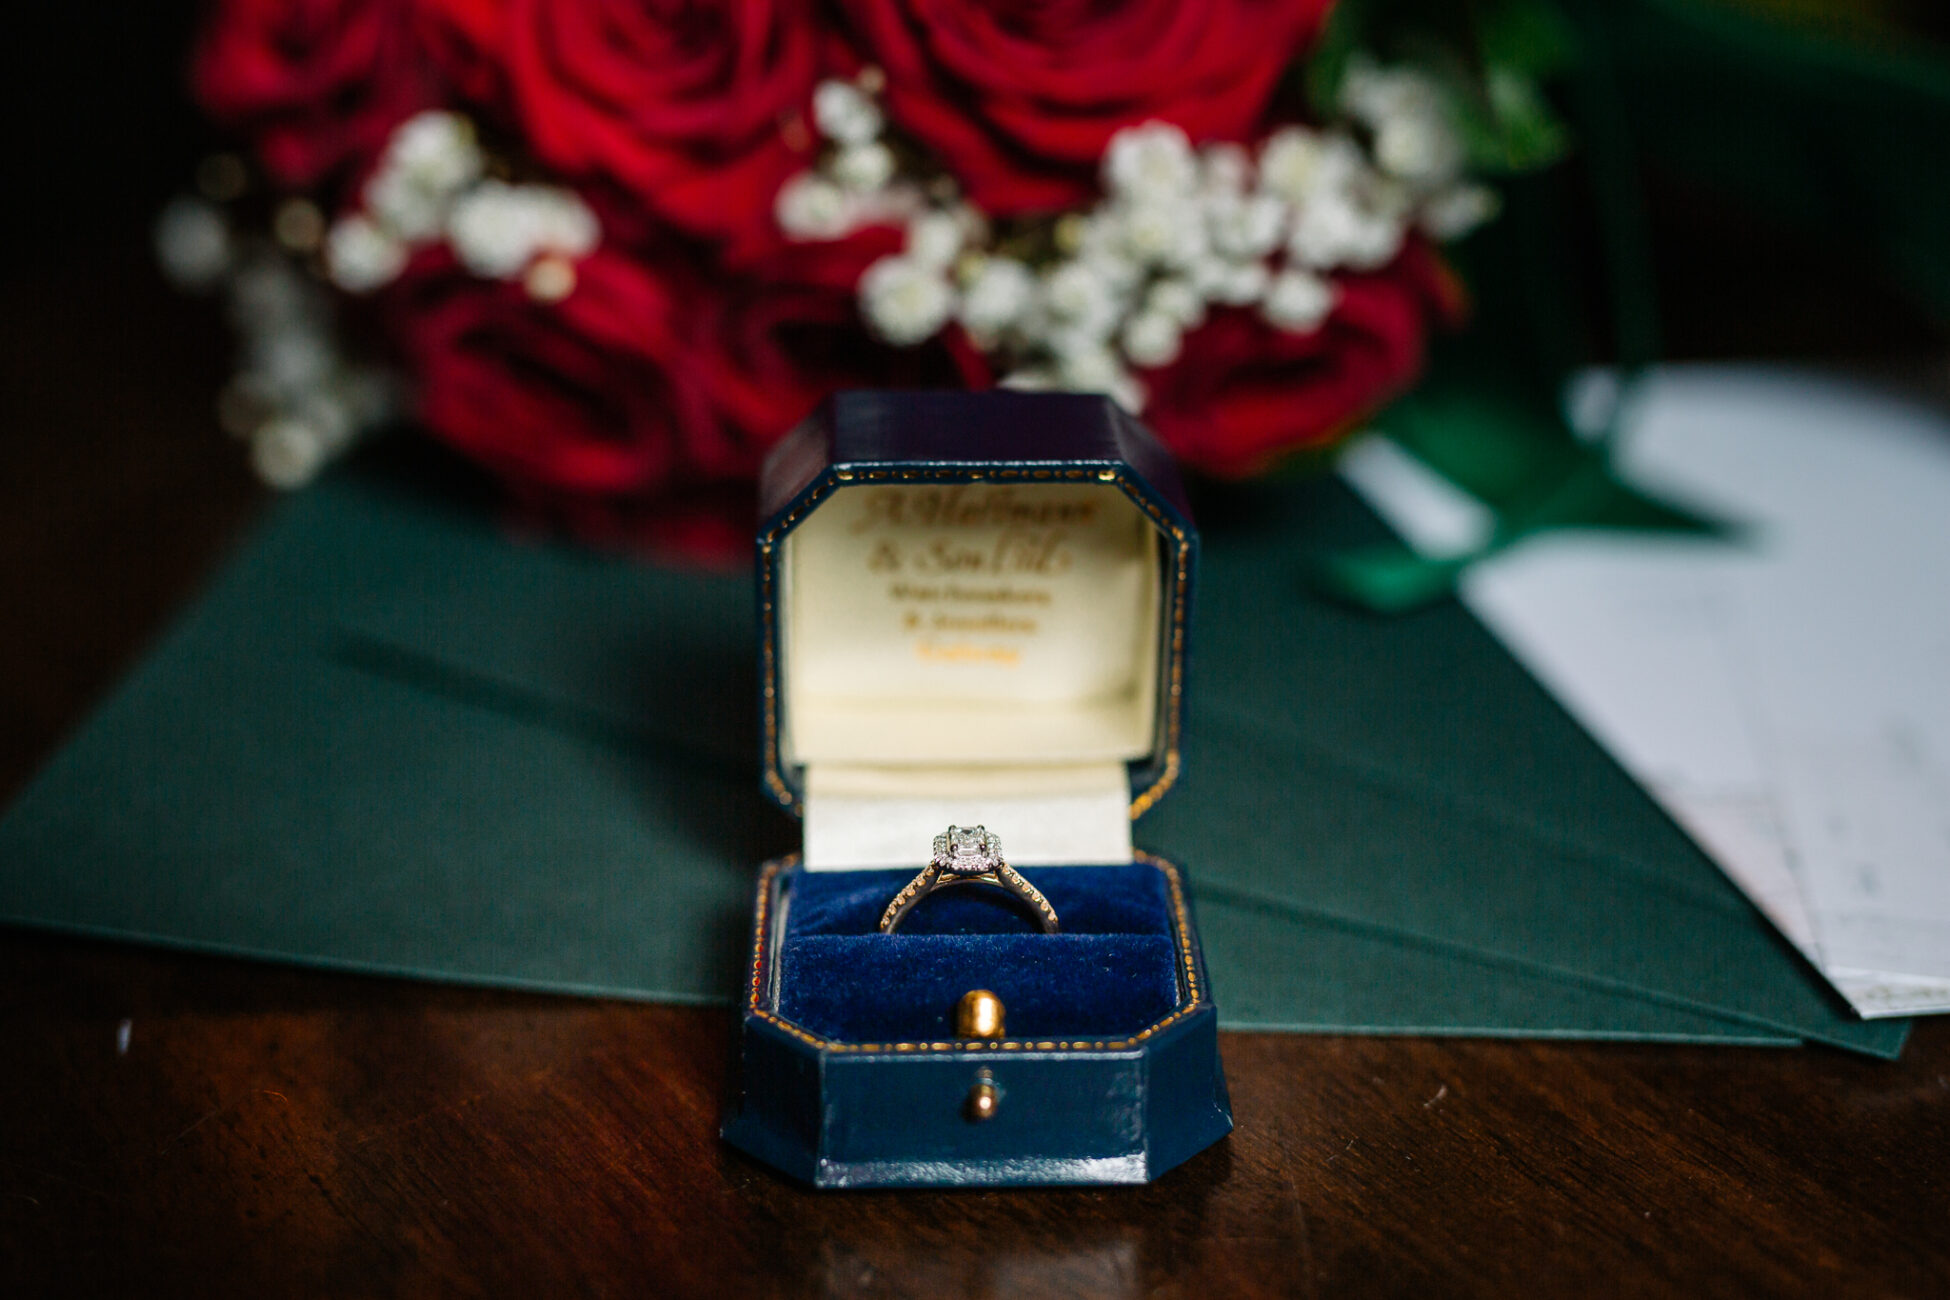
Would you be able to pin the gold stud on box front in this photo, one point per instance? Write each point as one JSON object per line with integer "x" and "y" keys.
{"x": 979, "y": 1014}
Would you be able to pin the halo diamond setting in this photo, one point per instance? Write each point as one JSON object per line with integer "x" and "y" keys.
{"x": 967, "y": 850}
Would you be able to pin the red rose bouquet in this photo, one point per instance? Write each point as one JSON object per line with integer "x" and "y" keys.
{"x": 613, "y": 251}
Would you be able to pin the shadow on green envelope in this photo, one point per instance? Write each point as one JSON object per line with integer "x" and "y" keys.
{"x": 392, "y": 739}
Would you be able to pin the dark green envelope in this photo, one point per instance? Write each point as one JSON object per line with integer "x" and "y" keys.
{"x": 392, "y": 739}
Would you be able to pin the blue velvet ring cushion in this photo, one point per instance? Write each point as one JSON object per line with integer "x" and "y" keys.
{"x": 1110, "y": 972}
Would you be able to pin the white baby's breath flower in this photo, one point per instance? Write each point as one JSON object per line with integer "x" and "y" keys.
{"x": 1414, "y": 137}
{"x": 935, "y": 238}
{"x": 289, "y": 361}
{"x": 1375, "y": 242}
{"x": 438, "y": 149}
{"x": 1205, "y": 276}
{"x": 429, "y": 160}
{"x": 1239, "y": 284}
{"x": 866, "y": 166}
{"x": 1289, "y": 162}
{"x": 193, "y": 243}
{"x": 845, "y": 114}
{"x": 1369, "y": 92}
{"x": 487, "y": 232}
{"x": 1150, "y": 162}
{"x": 1119, "y": 273}
{"x": 973, "y": 222}
{"x": 325, "y": 409}
{"x": 565, "y": 223}
{"x": 1161, "y": 233}
{"x": 267, "y": 293}
{"x": 1097, "y": 370}
{"x": 410, "y": 211}
{"x": 1031, "y": 379}
{"x": 997, "y": 295}
{"x": 1422, "y": 148}
{"x": 1129, "y": 392}
{"x": 1336, "y": 230}
{"x": 895, "y": 204}
{"x": 1454, "y": 212}
{"x": 1224, "y": 168}
{"x": 1063, "y": 340}
{"x": 1080, "y": 298}
{"x": 1088, "y": 368}
{"x": 905, "y": 301}
{"x": 1151, "y": 338}
{"x": 1243, "y": 226}
{"x": 1178, "y": 299}
{"x": 288, "y": 452}
{"x": 497, "y": 229}
{"x": 360, "y": 256}
{"x": 1098, "y": 236}
{"x": 811, "y": 207}
{"x": 1298, "y": 300}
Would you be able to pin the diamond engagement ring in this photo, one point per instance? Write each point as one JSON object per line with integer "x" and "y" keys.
{"x": 967, "y": 855}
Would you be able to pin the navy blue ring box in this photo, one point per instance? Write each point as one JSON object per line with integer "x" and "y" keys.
{"x": 973, "y": 606}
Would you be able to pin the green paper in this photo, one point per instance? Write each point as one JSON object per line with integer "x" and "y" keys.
{"x": 392, "y": 739}
{"x": 1356, "y": 979}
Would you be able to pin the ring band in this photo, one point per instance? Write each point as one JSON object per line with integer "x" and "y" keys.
{"x": 967, "y": 855}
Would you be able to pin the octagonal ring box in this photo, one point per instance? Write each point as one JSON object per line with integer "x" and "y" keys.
{"x": 973, "y": 611}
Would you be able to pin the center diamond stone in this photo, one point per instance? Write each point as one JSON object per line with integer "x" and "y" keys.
{"x": 967, "y": 850}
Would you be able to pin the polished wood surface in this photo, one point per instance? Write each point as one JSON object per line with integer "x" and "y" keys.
{"x": 174, "y": 1123}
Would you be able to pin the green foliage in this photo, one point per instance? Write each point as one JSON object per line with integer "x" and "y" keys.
{"x": 1488, "y": 57}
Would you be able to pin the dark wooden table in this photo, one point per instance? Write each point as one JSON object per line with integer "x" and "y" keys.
{"x": 173, "y": 1123}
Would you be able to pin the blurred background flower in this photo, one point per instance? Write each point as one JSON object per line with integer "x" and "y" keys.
{"x": 612, "y": 253}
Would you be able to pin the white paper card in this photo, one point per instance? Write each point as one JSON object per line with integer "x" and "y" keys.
{"x": 1786, "y": 697}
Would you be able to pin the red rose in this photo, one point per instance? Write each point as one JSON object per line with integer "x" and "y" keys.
{"x": 635, "y": 412}
{"x": 678, "y": 104}
{"x": 314, "y": 85}
{"x": 778, "y": 340}
{"x": 1242, "y": 392}
{"x": 1020, "y": 97}
{"x": 586, "y": 397}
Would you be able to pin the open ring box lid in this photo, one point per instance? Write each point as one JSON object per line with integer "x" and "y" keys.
{"x": 973, "y": 610}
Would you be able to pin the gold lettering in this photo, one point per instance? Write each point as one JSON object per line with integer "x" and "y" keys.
{"x": 969, "y": 569}
{"x": 963, "y": 506}
{"x": 989, "y": 622}
{"x": 966, "y": 652}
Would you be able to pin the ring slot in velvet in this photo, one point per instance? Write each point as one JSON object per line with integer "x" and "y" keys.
{"x": 1110, "y": 972}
